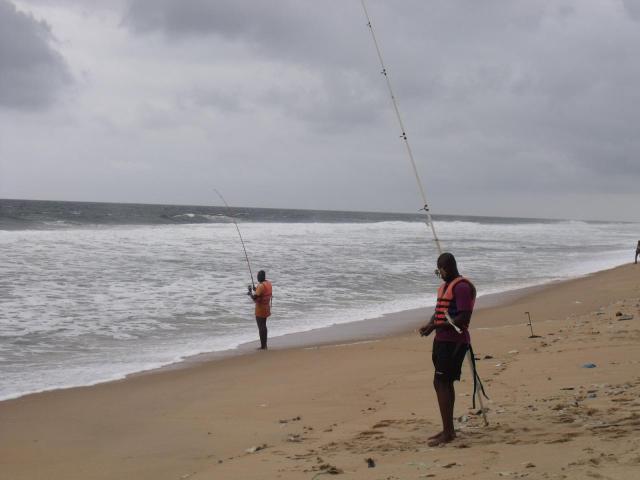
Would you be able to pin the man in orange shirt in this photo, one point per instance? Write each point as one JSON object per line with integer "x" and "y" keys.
{"x": 262, "y": 299}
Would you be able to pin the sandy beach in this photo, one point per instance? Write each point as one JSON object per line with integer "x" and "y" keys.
{"x": 314, "y": 411}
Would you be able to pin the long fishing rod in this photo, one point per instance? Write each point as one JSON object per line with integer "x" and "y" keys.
{"x": 403, "y": 135}
{"x": 230, "y": 215}
{"x": 403, "y": 131}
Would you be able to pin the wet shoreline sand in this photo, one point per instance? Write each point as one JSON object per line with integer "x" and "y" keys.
{"x": 338, "y": 405}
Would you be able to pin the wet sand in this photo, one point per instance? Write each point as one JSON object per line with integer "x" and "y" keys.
{"x": 328, "y": 408}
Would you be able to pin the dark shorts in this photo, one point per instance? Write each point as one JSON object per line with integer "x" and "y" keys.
{"x": 447, "y": 359}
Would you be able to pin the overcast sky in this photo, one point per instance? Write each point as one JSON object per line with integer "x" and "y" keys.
{"x": 513, "y": 108}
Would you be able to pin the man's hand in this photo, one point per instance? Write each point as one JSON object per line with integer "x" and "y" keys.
{"x": 425, "y": 331}
{"x": 428, "y": 328}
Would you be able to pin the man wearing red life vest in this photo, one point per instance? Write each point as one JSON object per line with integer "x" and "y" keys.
{"x": 262, "y": 299}
{"x": 456, "y": 298}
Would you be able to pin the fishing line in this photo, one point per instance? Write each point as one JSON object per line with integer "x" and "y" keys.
{"x": 476, "y": 378}
{"x": 230, "y": 215}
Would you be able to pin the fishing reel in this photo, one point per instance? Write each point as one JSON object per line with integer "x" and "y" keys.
{"x": 250, "y": 289}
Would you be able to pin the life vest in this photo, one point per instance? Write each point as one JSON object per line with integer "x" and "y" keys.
{"x": 446, "y": 301}
{"x": 263, "y": 302}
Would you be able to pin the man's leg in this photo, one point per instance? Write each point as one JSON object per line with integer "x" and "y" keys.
{"x": 262, "y": 330}
{"x": 446, "y": 400}
{"x": 447, "y": 360}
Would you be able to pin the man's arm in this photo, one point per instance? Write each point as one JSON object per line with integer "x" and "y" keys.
{"x": 461, "y": 320}
{"x": 464, "y": 299}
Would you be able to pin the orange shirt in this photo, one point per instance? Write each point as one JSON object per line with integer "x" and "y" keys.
{"x": 263, "y": 302}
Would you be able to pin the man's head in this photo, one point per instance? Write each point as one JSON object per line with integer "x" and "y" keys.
{"x": 447, "y": 266}
{"x": 262, "y": 276}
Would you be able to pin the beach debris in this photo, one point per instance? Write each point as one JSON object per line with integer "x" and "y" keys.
{"x": 513, "y": 474}
{"x": 294, "y": 419}
{"x": 463, "y": 419}
{"x": 256, "y": 448}
{"x": 568, "y": 388}
{"x": 513, "y": 351}
{"x": 449, "y": 465}
{"x": 529, "y": 465}
{"x": 592, "y": 395}
{"x": 487, "y": 357}
{"x": 327, "y": 468}
{"x": 294, "y": 438}
{"x": 619, "y": 314}
{"x": 589, "y": 365}
{"x": 625, "y": 317}
{"x": 370, "y": 462}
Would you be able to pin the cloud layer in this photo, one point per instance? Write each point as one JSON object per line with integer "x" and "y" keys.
{"x": 512, "y": 107}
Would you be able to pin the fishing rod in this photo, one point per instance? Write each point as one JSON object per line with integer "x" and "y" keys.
{"x": 476, "y": 378}
{"x": 230, "y": 215}
{"x": 403, "y": 134}
{"x": 403, "y": 131}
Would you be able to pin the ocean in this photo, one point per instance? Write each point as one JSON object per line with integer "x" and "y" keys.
{"x": 91, "y": 292}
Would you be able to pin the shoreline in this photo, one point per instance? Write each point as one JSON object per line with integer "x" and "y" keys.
{"x": 369, "y": 329}
{"x": 287, "y": 413}
{"x": 375, "y": 328}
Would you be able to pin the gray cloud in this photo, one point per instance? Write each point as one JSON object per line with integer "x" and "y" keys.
{"x": 503, "y": 82}
{"x": 307, "y": 32}
{"x": 513, "y": 104}
{"x": 32, "y": 73}
{"x": 317, "y": 39}
{"x": 86, "y": 7}
{"x": 632, "y": 7}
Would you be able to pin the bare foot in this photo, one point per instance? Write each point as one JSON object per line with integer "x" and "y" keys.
{"x": 442, "y": 439}
{"x": 437, "y": 435}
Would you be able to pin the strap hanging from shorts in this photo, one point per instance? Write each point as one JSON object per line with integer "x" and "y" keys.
{"x": 476, "y": 379}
